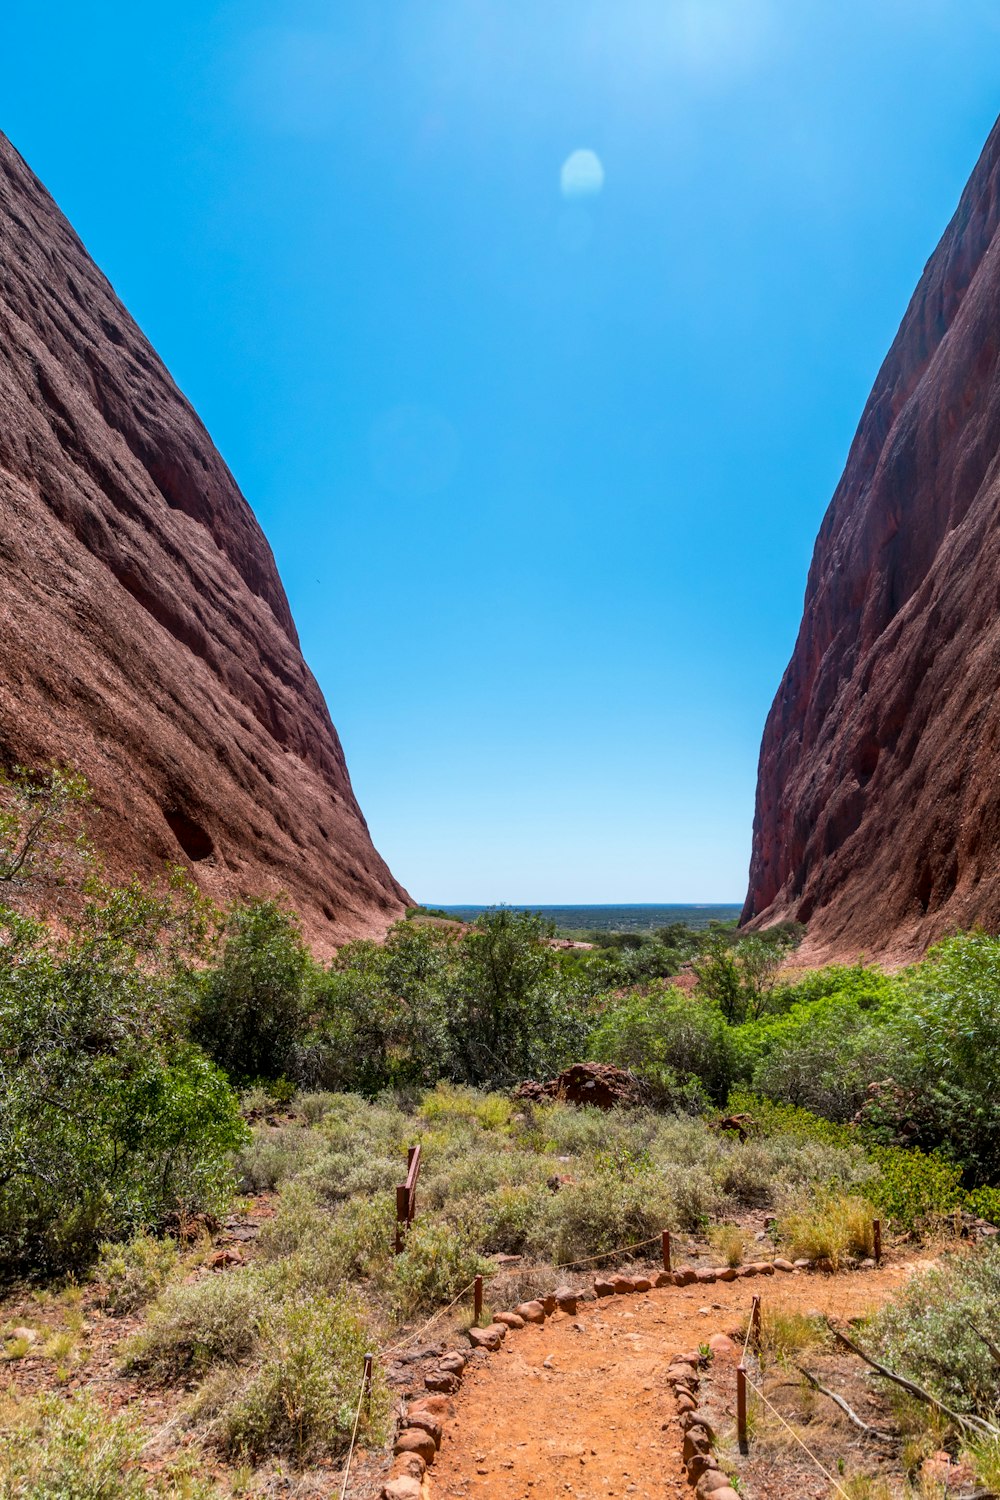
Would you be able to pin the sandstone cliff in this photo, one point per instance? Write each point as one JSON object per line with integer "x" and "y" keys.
{"x": 146, "y": 635}
{"x": 878, "y": 800}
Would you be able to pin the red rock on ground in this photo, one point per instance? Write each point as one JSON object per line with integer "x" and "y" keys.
{"x": 147, "y": 639}
{"x": 877, "y": 819}
{"x": 600, "y": 1084}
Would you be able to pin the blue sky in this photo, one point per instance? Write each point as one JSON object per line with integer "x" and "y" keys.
{"x": 542, "y": 472}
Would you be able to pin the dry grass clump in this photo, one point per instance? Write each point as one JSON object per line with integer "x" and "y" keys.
{"x": 729, "y": 1243}
{"x": 196, "y": 1325}
{"x": 829, "y": 1228}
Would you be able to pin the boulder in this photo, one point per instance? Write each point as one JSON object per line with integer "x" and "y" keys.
{"x": 418, "y": 1416}
{"x": 403, "y": 1487}
{"x": 509, "y": 1319}
{"x": 566, "y": 1299}
{"x": 603, "y": 1288}
{"x": 489, "y": 1338}
{"x": 445, "y": 1381}
{"x": 599, "y": 1084}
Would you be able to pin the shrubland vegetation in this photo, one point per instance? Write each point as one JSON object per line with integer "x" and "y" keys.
{"x": 158, "y": 1056}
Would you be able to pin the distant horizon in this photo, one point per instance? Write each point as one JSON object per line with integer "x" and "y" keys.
{"x": 584, "y": 905}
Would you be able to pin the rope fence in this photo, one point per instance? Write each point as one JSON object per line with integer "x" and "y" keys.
{"x": 803, "y": 1445}
{"x": 363, "y": 1395}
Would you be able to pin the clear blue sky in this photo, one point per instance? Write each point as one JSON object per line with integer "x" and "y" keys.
{"x": 542, "y": 473}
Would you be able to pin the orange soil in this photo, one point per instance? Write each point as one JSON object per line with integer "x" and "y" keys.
{"x": 580, "y": 1407}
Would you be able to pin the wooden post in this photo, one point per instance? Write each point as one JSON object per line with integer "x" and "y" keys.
{"x": 666, "y": 1249}
{"x": 741, "y": 1409}
{"x": 369, "y": 1359}
{"x": 402, "y": 1214}
{"x": 755, "y": 1323}
{"x": 877, "y": 1239}
{"x": 478, "y": 1298}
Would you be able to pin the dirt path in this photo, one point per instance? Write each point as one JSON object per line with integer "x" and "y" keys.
{"x": 580, "y": 1407}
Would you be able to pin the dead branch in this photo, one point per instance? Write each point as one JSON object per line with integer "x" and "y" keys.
{"x": 976, "y": 1424}
{"x": 872, "y": 1432}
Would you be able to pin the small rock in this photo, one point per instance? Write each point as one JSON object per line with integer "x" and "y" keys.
{"x": 780, "y": 1264}
{"x": 663, "y": 1278}
{"x": 453, "y": 1361}
{"x": 721, "y": 1345}
{"x": 710, "y": 1483}
{"x": 685, "y": 1276}
{"x": 438, "y": 1406}
{"x": 24, "y": 1335}
{"x": 623, "y": 1285}
{"x": 867, "y": 1264}
{"x": 699, "y": 1418}
{"x": 405, "y": 1487}
{"x": 418, "y": 1417}
{"x": 566, "y": 1299}
{"x": 442, "y": 1380}
{"x": 603, "y": 1288}
{"x": 728, "y": 1273}
{"x": 408, "y": 1466}
{"x": 704, "y": 1312}
{"x": 416, "y": 1440}
{"x": 531, "y": 1312}
{"x": 509, "y": 1319}
{"x": 488, "y": 1338}
{"x": 548, "y": 1304}
{"x": 705, "y": 1276}
{"x": 802, "y": 1265}
{"x": 222, "y": 1259}
{"x": 642, "y": 1284}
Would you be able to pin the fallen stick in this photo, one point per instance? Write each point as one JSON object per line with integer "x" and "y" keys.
{"x": 977, "y": 1424}
{"x": 872, "y": 1432}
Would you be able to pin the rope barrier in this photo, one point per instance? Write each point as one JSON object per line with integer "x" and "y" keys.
{"x": 603, "y": 1254}
{"x": 354, "y": 1435}
{"x": 805, "y": 1448}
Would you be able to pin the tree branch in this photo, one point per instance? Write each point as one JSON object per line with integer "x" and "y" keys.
{"x": 872, "y": 1432}
{"x": 965, "y": 1423}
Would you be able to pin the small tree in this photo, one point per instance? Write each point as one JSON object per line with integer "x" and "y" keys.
{"x": 40, "y": 833}
{"x": 740, "y": 976}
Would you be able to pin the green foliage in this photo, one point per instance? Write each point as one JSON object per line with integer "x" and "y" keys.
{"x": 53, "y": 1448}
{"x": 109, "y": 1118}
{"x": 198, "y": 1324}
{"x": 41, "y": 838}
{"x": 669, "y": 1040}
{"x": 934, "y": 1330}
{"x": 253, "y": 1005}
{"x": 740, "y": 976}
{"x": 438, "y": 1261}
{"x": 301, "y": 1394}
{"x": 132, "y": 1272}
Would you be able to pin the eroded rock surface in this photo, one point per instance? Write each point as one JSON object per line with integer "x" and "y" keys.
{"x": 878, "y": 800}
{"x": 146, "y": 635}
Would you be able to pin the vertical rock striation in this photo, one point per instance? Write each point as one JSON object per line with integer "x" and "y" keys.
{"x": 878, "y": 799}
{"x": 146, "y": 635}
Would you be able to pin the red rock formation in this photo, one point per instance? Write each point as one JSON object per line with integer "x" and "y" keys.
{"x": 146, "y": 636}
{"x": 878, "y": 800}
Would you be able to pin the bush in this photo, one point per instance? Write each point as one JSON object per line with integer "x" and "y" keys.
{"x": 133, "y": 1272}
{"x": 109, "y": 1119}
{"x": 58, "y": 1448}
{"x": 254, "y": 1005}
{"x": 828, "y": 1228}
{"x": 670, "y": 1041}
{"x": 196, "y": 1325}
{"x": 933, "y": 1332}
{"x": 300, "y": 1399}
{"x": 438, "y": 1261}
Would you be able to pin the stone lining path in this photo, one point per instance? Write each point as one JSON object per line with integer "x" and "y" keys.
{"x": 580, "y": 1408}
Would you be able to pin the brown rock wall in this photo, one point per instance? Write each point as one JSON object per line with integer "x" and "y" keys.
{"x": 878, "y": 800}
{"x": 146, "y": 635}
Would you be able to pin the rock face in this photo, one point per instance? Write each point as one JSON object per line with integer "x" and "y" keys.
{"x": 147, "y": 639}
{"x": 878, "y": 800}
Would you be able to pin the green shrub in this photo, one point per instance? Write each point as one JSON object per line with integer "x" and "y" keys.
{"x": 59, "y": 1448}
{"x": 300, "y": 1398}
{"x": 109, "y": 1119}
{"x": 828, "y": 1227}
{"x": 437, "y": 1262}
{"x": 670, "y": 1041}
{"x": 254, "y": 1005}
{"x": 933, "y": 1331}
{"x": 132, "y": 1272}
{"x": 198, "y": 1324}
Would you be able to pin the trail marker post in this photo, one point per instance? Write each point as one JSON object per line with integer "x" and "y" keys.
{"x": 406, "y": 1197}
{"x": 666, "y": 1249}
{"x": 741, "y": 1409}
{"x": 369, "y": 1361}
{"x": 477, "y": 1298}
{"x": 877, "y": 1240}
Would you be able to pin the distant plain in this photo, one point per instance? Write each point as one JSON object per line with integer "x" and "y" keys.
{"x": 643, "y": 917}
